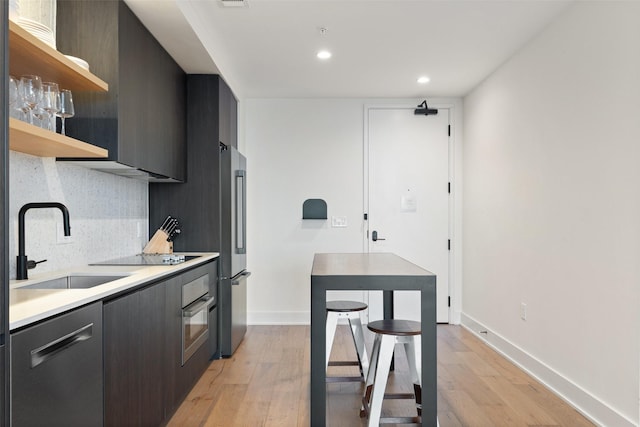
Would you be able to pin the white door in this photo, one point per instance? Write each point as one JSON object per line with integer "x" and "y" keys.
{"x": 407, "y": 190}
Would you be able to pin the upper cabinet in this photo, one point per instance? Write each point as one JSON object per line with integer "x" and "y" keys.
{"x": 212, "y": 118}
{"x": 141, "y": 119}
{"x": 29, "y": 55}
{"x": 227, "y": 115}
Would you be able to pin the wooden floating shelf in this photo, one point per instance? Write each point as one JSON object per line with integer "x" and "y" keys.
{"x": 30, "y": 139}
{"x": 30, "y": 55}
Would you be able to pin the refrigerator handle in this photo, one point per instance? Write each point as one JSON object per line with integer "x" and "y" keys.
{"x": 241, "y": 212}
{"x": 240, "y": 277}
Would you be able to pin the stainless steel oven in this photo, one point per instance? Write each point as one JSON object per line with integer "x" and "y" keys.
{"x": 195, "y": 315}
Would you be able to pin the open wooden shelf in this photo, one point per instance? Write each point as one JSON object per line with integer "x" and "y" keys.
{"x": 30, "y": 139}
{"x": 30, "y": 55}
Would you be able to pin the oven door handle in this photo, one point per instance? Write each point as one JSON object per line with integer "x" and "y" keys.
{"x": 197, "y": 306}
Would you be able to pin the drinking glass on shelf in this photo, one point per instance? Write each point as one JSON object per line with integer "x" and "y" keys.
{"x": 66, "y": 107}
{"x": 15, "y": 101}
{"x": 31, "y": 89}
{"x": 50, "y": 103}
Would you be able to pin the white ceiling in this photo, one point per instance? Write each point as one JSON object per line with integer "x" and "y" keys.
{"x": 379, "y": 47}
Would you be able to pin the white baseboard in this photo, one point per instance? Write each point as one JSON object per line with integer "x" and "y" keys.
{"x": 279, "y": 318}
{"x": 591, "y": 407}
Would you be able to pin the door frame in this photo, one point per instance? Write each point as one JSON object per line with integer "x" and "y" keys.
{"x": 455, "y": 198}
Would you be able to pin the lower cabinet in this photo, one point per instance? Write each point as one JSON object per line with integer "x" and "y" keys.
{"x": 57, "y": 371}
{"x": 134, "y": 361}
{"x": 145, "y": 379}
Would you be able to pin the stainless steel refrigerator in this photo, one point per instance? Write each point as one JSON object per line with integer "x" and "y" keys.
{"x": 233, "y": 250}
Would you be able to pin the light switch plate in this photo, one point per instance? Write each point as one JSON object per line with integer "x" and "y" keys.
{"x": 338, "y": 221}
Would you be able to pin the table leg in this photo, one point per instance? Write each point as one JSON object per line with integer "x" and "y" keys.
{"x": 387, "y": 304}
{"x": 318, "y": 396}
{"x": 387, "y": 313}
{"x": 429, "y": 357}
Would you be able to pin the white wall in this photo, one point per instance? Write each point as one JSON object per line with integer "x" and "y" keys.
{"x": 106, "y": 211}
{"x": 552, "y": 208}
{"x": 299, "y": 149}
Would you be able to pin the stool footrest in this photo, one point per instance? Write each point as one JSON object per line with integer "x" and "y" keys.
{"x": 416, "y": 421}
{"x": 366, "y": 404}
{"x": 400, "y": 396}
{"x": 344, "y": 363}
{"x": 344, "y": 379}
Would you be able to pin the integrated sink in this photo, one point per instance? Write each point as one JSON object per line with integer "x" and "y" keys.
{"x": 75, "y": 281}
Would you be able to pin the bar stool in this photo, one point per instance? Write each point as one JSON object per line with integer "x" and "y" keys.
{"x": 388, "y": 333}
{"x": 350, "y": 310}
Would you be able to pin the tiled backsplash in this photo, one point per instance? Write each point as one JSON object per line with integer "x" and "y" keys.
{"x": 108, "y": 213}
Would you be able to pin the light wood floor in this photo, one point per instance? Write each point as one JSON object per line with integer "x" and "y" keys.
{"x": 266, "y": 383}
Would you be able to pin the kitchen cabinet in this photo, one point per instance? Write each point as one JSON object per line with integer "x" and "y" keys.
{"x": 56, "y": 372}
{"x": 134, "y": 346}
{"x": 184, "y": 376}
{"x": 29, "y": 55}
{"x": 141, "y": 120}
{"x": 145, "y": 380}
{"x": 227, "y": 115}
{"x": 4, "y": 222}
{"x": 211, "y": 118}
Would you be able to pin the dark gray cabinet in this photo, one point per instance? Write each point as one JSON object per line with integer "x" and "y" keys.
{"x": 141, "y": 120}
{"x": 211, "y": 119}
{"x": 145, "y": 380}
{"x": 122, "y": 361}
{"x": 228, "y": 115}
{"x": 134, "y": 363}
{"x": 4, "y": 214}
{"x": 56, "y": 373}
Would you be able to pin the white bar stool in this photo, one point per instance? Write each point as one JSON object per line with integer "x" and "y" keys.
{"x": 390, "y": 332}
{"x": 351, "y": 311}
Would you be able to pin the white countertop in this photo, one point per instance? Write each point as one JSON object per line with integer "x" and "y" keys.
{"x": 27, "y": 306}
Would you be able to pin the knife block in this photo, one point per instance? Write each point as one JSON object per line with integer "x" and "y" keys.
{"x": 159, "y": 244}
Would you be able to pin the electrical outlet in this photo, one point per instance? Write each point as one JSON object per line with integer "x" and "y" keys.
{"x": 61, "y": 239}
{"x": 338, "y": 221}
{"x": 523, "y": 311}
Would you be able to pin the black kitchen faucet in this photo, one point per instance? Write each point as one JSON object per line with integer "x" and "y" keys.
{"x": 22, "y": 262}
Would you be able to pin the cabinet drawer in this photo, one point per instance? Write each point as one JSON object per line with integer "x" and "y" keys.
{"x": 56, "y": 372}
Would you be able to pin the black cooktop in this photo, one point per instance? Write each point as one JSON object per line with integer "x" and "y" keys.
{"x": 144, "y": 259}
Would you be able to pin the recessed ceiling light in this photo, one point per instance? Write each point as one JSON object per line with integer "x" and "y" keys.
{"x": 324, "y": 54}
{"x": 423, "y": 79}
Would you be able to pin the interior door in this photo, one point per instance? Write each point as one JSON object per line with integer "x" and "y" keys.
{"x": 408, "y": 198}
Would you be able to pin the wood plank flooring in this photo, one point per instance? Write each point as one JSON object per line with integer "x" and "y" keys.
{"x": 266, "y": 383}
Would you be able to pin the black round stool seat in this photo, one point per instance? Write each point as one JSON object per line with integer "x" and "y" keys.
{"x": 345, "y": 306}
{"x": 395, "y": 327}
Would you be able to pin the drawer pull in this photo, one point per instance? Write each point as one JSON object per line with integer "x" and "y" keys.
{"x": 47, "y": 351}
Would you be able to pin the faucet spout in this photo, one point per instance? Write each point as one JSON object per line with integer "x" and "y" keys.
{"x": 22, "y": 262}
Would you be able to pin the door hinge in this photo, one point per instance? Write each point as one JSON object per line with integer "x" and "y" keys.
{"x": 448, "y": 301}
{"x": 449, "y": 244}
{"x": 449, "y": 130}
{"x": 366, "y": 216}
{"x": 449, "y": 187}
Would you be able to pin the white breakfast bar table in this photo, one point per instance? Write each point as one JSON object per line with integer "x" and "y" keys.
{"x": 371, "y": 272}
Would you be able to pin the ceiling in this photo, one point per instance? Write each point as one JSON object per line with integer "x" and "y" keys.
{"x": 267, "y": 48}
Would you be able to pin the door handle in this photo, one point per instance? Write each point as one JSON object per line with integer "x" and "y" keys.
{"x": 374, "y": 236}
